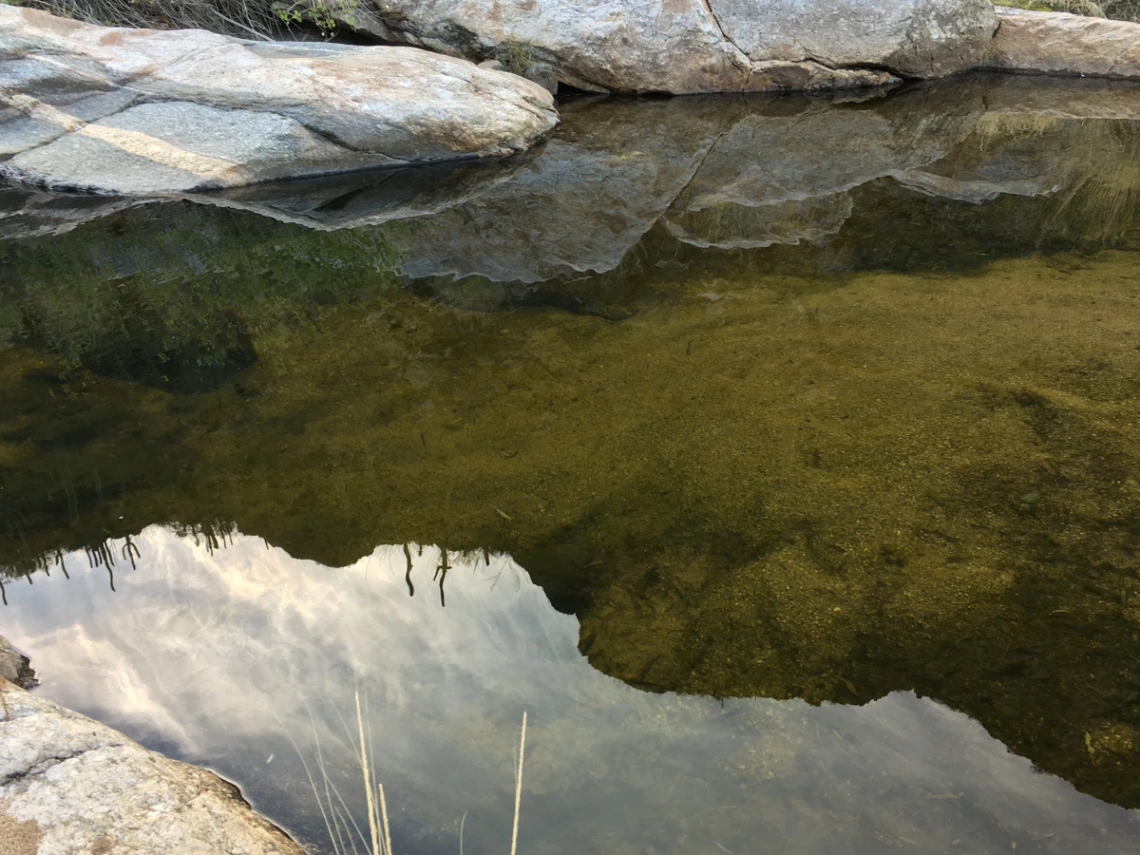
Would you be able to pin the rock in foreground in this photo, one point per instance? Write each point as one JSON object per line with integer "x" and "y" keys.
{"x": 144, "y": 112}
{"x": 69, "y": 785}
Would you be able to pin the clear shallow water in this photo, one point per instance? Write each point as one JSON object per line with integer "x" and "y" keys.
{"x": 827, "y": 411}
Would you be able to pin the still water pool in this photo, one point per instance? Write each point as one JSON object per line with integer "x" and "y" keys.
{"x": 779, "y": 458}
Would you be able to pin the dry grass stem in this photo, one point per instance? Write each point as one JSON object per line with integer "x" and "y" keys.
{"x": 338, "y": 818}
{"x": 384, "y": 814}
{"x": 518, "y": 786}
{"x": 372, "y": 824}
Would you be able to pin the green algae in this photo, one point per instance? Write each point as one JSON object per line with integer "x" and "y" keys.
{"x": 793, "y": 514}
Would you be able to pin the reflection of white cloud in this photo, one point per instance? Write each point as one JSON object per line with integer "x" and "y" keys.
{"x": 98, "y": 664}
{"x": 211, "y": 654}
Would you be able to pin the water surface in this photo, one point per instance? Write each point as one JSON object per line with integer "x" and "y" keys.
{"x": 780, "y": 454}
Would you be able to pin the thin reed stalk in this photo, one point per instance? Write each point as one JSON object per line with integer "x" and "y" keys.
{"x": 372, "y": 824}
{"x": 339, "y": 821}
{"x": 518, "y": 786}
{"x": 384, "y": 813}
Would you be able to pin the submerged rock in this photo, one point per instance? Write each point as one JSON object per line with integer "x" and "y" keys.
{"x": 70, "y": 784}
{"x": 138, "y": 111}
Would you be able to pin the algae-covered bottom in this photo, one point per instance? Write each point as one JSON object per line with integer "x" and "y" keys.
{"x": 814, "y": 425}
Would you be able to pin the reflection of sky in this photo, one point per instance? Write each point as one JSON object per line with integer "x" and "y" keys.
{"x": 209, "y": 656}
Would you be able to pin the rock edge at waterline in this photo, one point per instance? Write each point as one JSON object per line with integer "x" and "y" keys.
{"x": 14, "y": 666}
{"x": 1060, "y": 44}
{"x": 692, "y": 46}
{"x": 69, "y": 784}
{"x": 120, "y": 111}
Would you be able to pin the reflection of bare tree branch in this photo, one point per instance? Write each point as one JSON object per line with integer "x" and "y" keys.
{"x": 443, "y": 568}
{"x": 213, "y": 534}
{"x": 408, "y": 575}
{"x": 100, "y": 556}
{"x": 131, "y": 551}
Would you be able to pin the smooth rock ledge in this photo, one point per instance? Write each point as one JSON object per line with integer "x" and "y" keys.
{"x": 1060, "y": 44}
{"x": 690, "y": 46}
{"x": 129, "y": 112}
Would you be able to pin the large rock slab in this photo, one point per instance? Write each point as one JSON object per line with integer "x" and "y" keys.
{"x": 69, "y": 784}
{"x": 686, "y": 46}
{"x": 143, "y": 112}
{"x": 915, "y": 38}
{"x": 1062, "y": 44}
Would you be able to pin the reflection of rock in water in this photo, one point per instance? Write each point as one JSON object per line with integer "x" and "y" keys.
{"x": 1011, "y": 153}
{"x": 749, "y": 174}
{"x": 361, "y": 199}
{"x": 26, "y": 212}
{"x": 778, "y": 153}
{"x": 354, "y": 200}
{"x": 735, "y": 226}
{"x": 611, "y": 172}
{"x": 597, "y": 187}
{"x": 615, "y": 167}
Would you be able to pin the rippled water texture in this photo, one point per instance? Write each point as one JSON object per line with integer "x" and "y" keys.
{"x": 781, "y": 456}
